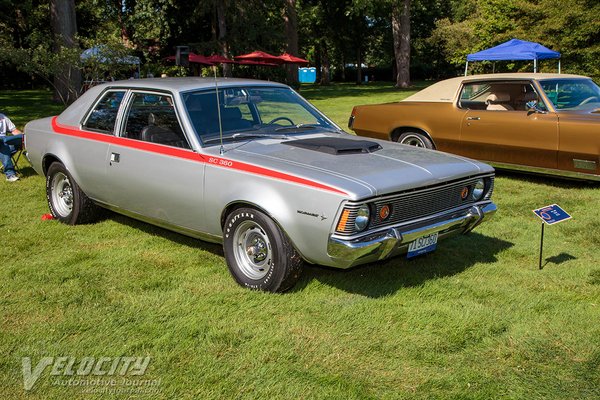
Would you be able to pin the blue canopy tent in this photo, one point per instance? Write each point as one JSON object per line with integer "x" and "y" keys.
{"x": 515, "y": 49}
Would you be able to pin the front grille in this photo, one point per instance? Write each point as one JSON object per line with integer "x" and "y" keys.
{"x": 418, "y": 204}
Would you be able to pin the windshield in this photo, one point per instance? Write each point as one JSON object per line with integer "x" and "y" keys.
{"x": 572, "y": 94}
{"x": 248, "y": 112}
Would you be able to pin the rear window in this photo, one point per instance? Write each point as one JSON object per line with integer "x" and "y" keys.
{"x": 104, "y": 115}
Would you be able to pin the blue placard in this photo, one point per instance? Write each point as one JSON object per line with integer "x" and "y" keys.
{"x": 552, "y": 214}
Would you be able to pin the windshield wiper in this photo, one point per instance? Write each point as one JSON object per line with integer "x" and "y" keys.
{"x": 305, "y": 126}
{"x": 243, "y": 136}
{"x": 257, "y": 136}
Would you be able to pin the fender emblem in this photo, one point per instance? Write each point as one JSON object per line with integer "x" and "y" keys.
{"x": 310, "y": 214}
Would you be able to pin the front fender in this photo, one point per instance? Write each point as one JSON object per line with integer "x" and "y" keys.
{"x": 305, "y": 214}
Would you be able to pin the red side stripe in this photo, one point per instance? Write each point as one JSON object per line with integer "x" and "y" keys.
{"x": 186, "y": 154}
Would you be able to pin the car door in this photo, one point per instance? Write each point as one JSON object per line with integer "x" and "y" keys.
{"x": 498, "y": 126}
{"x": 579, "y": 144}
{"x": 91, "y": 151}
{"x": 152, "y": 169}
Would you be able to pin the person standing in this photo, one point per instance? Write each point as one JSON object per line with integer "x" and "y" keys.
{"x": 10, "y": 141}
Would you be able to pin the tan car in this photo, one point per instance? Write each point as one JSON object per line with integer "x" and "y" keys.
{"x": 542, "y": 123}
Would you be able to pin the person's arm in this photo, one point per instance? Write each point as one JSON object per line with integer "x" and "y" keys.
{"x": 10, "y": 127}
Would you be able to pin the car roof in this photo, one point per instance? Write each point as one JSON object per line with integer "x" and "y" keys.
{"x": 183, "y": 84}
{"x": 445, "y": 91}
{"x": 74, "y": 113}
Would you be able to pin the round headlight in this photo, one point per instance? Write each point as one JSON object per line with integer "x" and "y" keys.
{"x": 479, "y": 189}
{"x": 362, "y": 218}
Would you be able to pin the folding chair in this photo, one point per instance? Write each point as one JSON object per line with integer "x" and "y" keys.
{"x": 15, "y": 156}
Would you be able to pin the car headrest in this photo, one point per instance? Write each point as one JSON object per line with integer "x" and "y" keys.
{"x": 495, "y": 98}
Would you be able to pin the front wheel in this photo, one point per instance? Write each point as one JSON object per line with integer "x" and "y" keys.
{"x": 66, "y": 200}
{"x": 415, "y": 139}
{"x": 259, "y": 255}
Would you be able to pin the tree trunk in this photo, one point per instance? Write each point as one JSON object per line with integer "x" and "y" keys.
{"x": 223, "y": 35}
{"x": 401, "y": 33}
{"x": 358, "y": 66}
{"x": 67, "y": 79}
{"x": 290, "y": 19}
{"x": 324, "y": 63}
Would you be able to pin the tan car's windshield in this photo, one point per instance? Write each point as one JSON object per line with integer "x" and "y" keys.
{"x": 572, "y": 94}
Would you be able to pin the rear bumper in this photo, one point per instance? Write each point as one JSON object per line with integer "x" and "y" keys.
{"x": 345, "y": 253}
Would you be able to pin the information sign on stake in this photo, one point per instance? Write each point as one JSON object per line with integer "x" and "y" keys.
{"x": 550, "y": 215}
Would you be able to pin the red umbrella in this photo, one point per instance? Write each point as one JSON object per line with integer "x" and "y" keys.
{"x": 219, "y": 59}
{"x": 250, "y": 62}
{"x": 195, "y": 58}
{"x": 290, "y": 59}
{"x": 260, "y": 56}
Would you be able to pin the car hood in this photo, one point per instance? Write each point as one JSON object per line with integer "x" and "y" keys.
{"x": 390, "y": 168}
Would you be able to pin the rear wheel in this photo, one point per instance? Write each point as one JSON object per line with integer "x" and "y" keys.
{"x": 415, "y": 139}
{"x": 259, "y": 255}
{"x": 66, "y": 200}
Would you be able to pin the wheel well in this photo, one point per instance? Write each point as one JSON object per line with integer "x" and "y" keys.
{"x": 239, "y": 204}
{"x": 399, "y": 131}
{"x": 47, "y": 162}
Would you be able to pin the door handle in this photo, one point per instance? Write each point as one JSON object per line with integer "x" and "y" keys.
{"x": 473, "y": 118}
{"x": 114, "y": 158}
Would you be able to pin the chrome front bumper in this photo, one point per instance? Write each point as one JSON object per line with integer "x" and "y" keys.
{"x": 346, "y": 253}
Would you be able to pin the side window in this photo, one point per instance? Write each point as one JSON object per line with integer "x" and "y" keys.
{"x": 152, "y": 118}
{"x": 103, "y": 116}
{"x": 497, "y": 96}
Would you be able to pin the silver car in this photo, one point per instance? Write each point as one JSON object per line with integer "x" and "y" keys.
{"x": 254, "y": 166}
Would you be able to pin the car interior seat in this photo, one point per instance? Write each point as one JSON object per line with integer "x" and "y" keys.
{"x": 156, "y": 132}
{"x": 498, "y": 102}
{"x": 232, "y": 119}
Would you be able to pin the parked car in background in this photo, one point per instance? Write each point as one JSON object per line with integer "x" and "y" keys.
{"x": 542, "y": 123}
{"x": 254, "y": 166}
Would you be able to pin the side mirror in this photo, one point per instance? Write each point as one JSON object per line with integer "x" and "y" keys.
{"x": 533, "y": 107}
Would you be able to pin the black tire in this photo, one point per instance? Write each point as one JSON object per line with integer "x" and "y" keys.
{"x": 259, "y": 255}
{"x": 415, "y": 139}
{"x": 66, "y": 200}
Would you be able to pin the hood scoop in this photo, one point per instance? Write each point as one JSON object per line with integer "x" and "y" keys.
{"x": 336, "y": 146}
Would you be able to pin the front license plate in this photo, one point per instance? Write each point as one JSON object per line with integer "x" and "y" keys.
{"x": 422, "y": 245}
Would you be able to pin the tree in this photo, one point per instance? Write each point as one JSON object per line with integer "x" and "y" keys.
{"x": 67, "y": 78}
{"x": 290, "y": 19}
{"x": 222, "y": 38}
{"x": 401, "y": 33}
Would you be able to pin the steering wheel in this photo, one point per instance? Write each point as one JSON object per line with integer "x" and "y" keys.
{"x": 588, "y": 100}
{"x": 281, "y": 119}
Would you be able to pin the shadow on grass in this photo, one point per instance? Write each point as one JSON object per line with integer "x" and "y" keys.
{"x": 317, "y": 92}
{"x": 386, "y": 277}
{"x": 26, "y": 171}
{"x": 154, "y": 230}
{"x": 373, "y": 280}
{"x": 559, "y": 259}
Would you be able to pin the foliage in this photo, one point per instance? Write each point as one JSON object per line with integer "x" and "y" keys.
{"x": 570, "y": 27}
{"x": 337, "y": 33}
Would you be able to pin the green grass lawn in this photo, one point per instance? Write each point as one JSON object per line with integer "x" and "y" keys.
{"x": 475, "y": 320}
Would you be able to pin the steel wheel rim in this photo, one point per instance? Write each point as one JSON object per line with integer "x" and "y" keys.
{"x": 62, "y": 194}
{"x": 413, "y": 140}
{"x": 252, "y": 250}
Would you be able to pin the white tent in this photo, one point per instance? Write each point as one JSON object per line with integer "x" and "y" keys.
{"x": 104, "y": 55}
